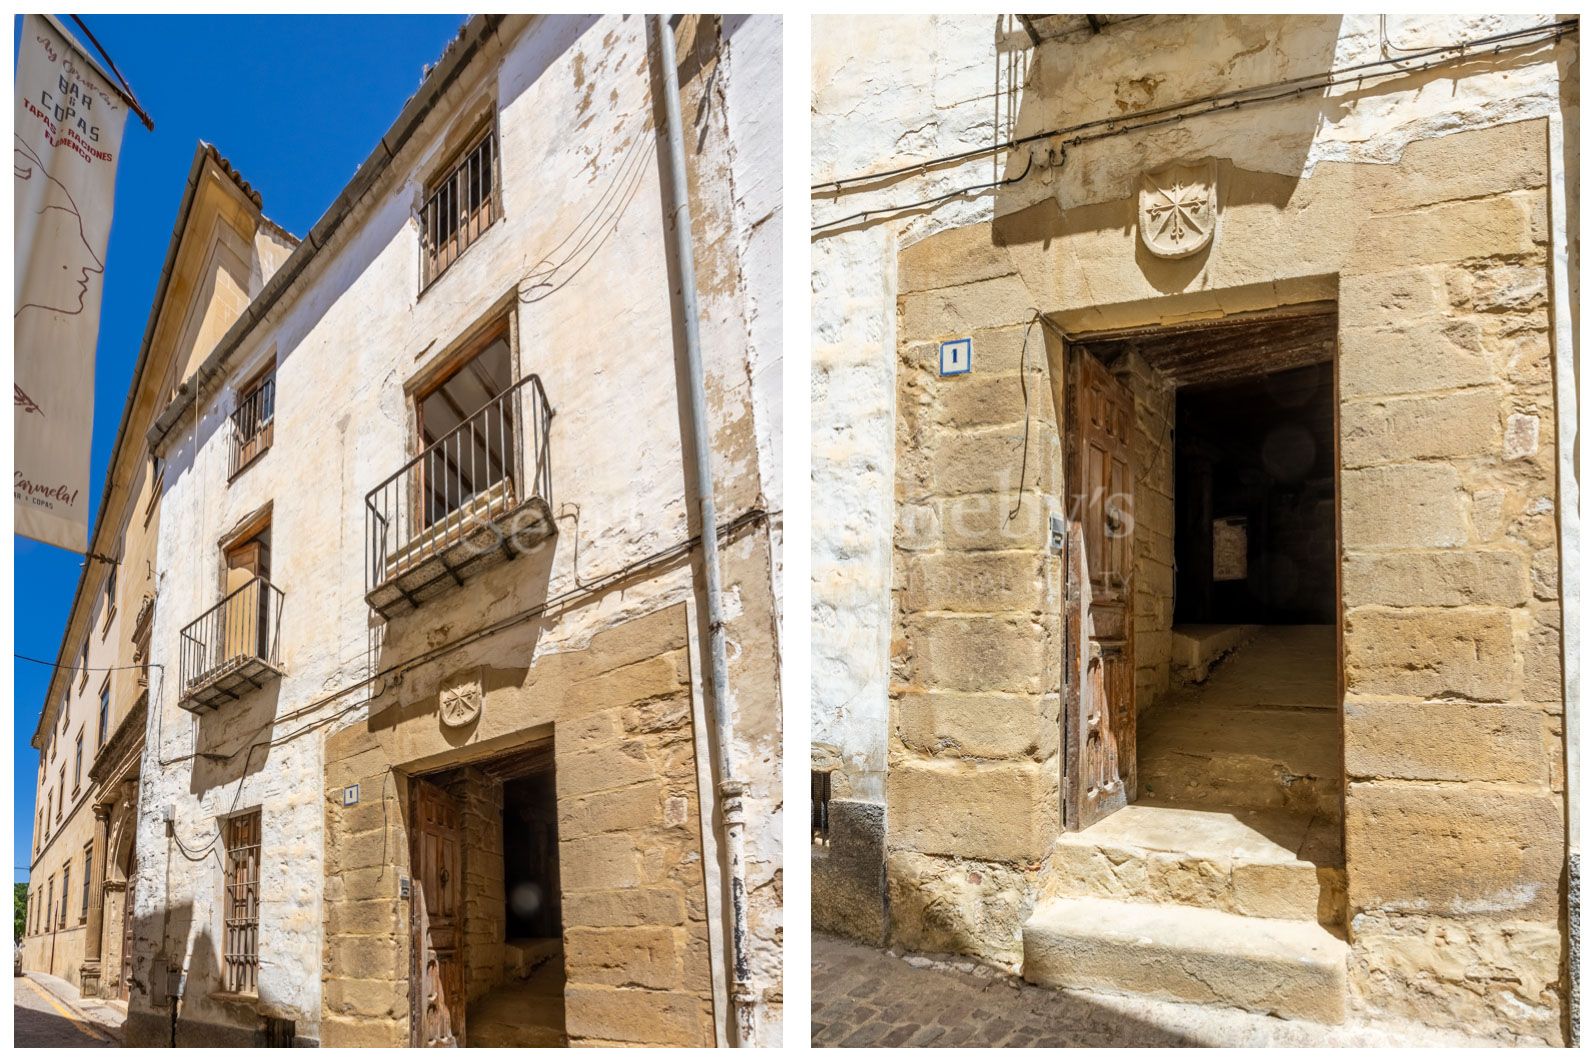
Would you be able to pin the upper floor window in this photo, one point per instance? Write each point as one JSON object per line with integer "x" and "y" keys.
{"x": 105, "y": 715}
{"x": 77, "y": 768}
{"x": 252, "y": 421}
{"x": 157, "y": 483}
{"x": 110, "y": 596}
{"x": 60, "y": 800}
{"x": 460, "y": 204}
{"x": 88, "y": 876}
{"x": 83, "y": 678}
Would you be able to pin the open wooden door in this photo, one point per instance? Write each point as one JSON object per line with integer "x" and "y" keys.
{"x": 1098, "y": 605}
{"x": 438, "y": 1011}
{"x": 245, "y": 620}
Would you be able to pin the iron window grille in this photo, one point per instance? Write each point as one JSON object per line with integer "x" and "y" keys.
{"x": 820, "y": 817}
{"x": 252, "y": 423}
{"x": 242, "y": 914}
{"x": 66, "y": 893}
{"x": 459, "y": 207}
{"x": 88, "y": 876}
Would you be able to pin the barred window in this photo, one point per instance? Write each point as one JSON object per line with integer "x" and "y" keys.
{"x": 88, "y": 877}
{"x": 460, "y": 206}
{"x": 819, "y": 782}
{"x": 66, "y": 893}
{"x": 242, "y": 903}
{"x": 252, "y": 421}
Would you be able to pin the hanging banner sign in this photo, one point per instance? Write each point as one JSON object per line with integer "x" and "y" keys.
{"x": 68, "y": 135}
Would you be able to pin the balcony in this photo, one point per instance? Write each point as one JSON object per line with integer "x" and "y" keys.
{"x": 474, "y": 498}
{"x": 233, "y": 649}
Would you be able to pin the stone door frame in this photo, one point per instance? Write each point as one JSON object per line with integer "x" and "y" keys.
{"x": 1159, "y": 313}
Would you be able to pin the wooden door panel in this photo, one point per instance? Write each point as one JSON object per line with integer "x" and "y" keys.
{"x": 435, "y": 876}
{"x": 1098, "y": 666}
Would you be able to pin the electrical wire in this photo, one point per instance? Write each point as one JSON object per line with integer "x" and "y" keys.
{"x": 198, "y": 853}
{"x": 932, "y": 201}
{"x": 75, "y": 667}
{"x": 1502, "y": 42}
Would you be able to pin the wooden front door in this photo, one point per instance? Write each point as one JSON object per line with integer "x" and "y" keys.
{"x": 438, "y": 1014}
{"x": 1099, "y": 644}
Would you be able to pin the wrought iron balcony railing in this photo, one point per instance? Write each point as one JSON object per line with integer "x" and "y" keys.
{"x": 478, "y": 495}
{"x": 233, "y": 648}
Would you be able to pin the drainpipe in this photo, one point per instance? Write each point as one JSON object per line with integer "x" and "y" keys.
{"x": 730, "y": 787}
{"x": 1564, "y": 337}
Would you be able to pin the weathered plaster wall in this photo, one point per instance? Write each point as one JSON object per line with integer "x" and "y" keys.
{"x": 579, "y": 169}
{"x": 1417, "y": 203}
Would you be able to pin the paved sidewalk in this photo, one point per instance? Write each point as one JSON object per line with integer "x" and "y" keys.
{"x": 866, "y": 997}
{"x": 50, "y": 1013}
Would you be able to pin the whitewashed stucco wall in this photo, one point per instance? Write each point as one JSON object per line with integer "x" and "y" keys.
{"x": 893, "y": 91}
{"x": 575, "y": 133}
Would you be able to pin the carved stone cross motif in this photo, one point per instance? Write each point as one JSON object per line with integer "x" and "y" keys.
{"x": 459, "y": 704}
{"x": 1179, "y": 209}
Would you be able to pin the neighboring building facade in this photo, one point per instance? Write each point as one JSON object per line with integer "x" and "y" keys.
{"x": 91, "y": 733}
{"x": 433, "y": 758}
{"x": 1195, "y": 538}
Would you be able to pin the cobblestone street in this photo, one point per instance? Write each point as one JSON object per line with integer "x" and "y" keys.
{"x": 866, "y": 997}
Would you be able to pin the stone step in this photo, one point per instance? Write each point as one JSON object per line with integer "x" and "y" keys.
{"x": 1280, "y": 758}
{"x": 1195, "y": 647}
{"x": 1292, "y": 969}
{"x": 1265, "y": 864}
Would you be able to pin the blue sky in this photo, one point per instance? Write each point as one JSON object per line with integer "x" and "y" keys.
{"x": 296, "y": 103}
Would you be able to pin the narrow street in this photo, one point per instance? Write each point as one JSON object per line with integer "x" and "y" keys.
{"x": 44, "y": 1021}
{"x": 869, "y": 997}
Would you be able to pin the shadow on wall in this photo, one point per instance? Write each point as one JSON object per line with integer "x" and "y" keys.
{"x": 230, "y": 742}
{"x": 921, "y": 190}
{"x": 151, "y": 1013}
{"x": 519, "y": 583}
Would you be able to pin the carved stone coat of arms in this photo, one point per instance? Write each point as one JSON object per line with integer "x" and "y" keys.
{"x": 1179, "y": 208}
{"x": 460, "y": 703}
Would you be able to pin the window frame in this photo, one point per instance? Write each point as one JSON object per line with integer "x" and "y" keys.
{"x": 246, "y": 451}
{"x": 88, "y": 881}
{"x": 66, "y": 893}
{"x": 77, "y": 765}
{"x": 240, "y": 907}
{"x": 108, "y": 595}
{"x": 105, "y": 715}
{"x": 484, "y": 129}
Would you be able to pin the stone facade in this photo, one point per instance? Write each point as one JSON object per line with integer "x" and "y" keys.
{"x": 1426, "y": 225}
{"x": 591, "y": 637}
